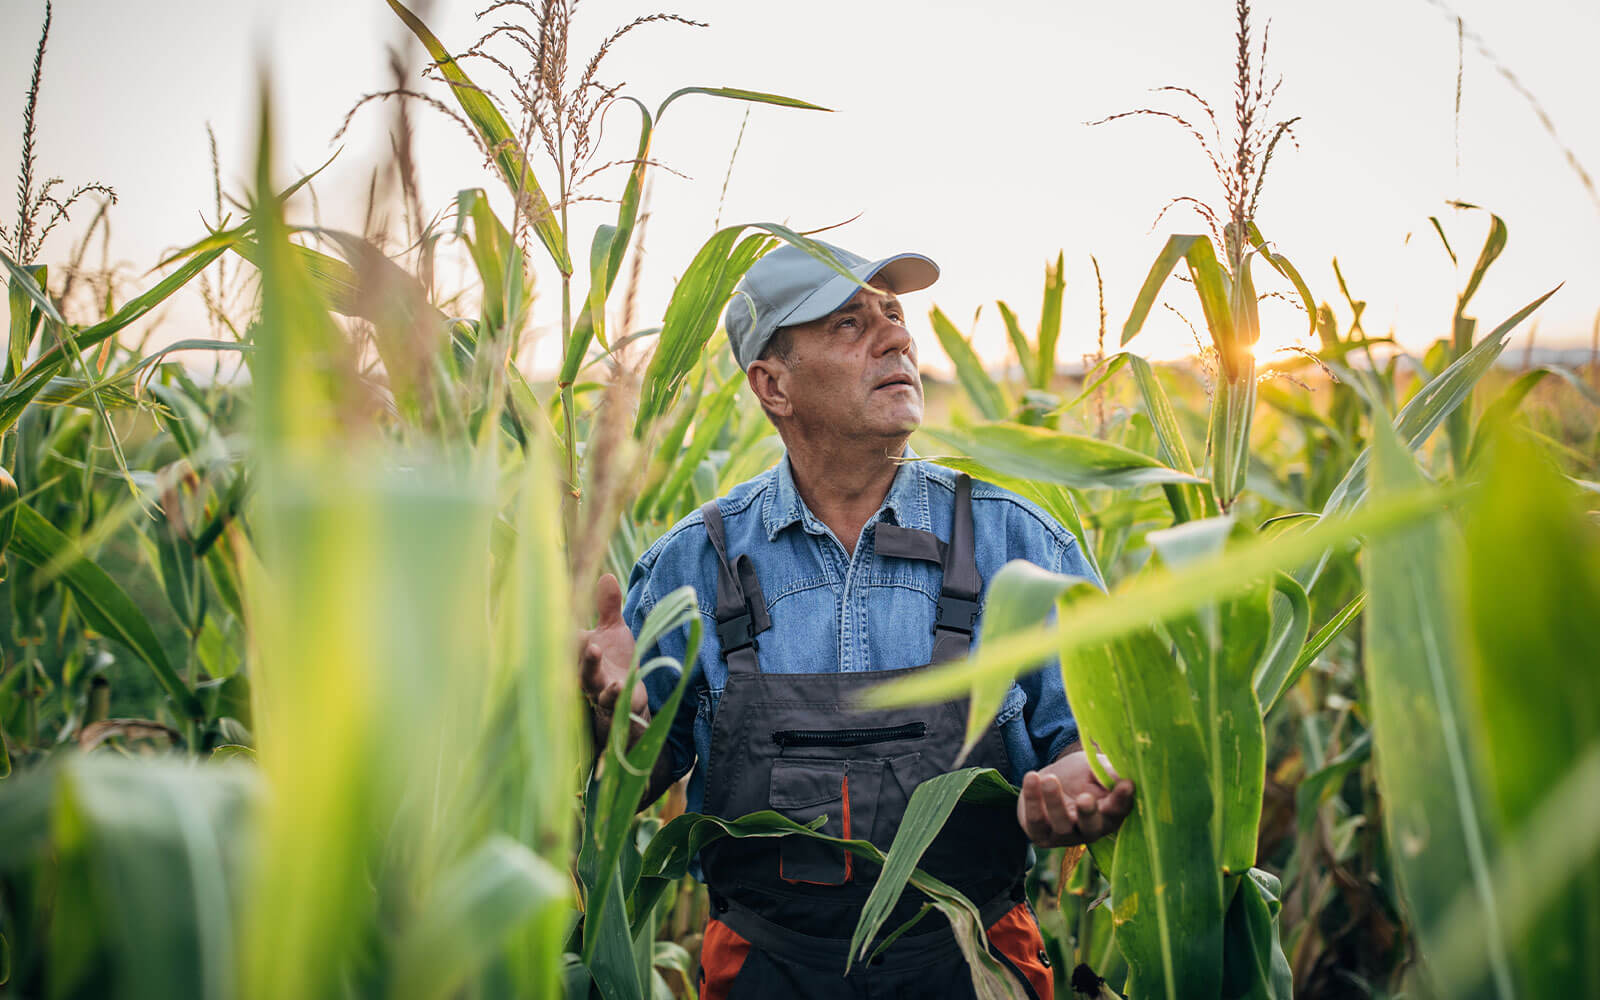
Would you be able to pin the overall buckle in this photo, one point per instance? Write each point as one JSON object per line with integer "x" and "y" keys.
{"x": 957, "y": 614}
{"x": 736, "y": 633}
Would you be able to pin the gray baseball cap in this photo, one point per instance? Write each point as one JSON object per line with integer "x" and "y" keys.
{"x": 789, "y": 286}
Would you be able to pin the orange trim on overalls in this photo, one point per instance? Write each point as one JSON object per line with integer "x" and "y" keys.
{"x": 1016, "y": 935}
{"x": 722, "y": 955}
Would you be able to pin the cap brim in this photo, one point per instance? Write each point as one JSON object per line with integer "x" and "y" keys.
{"x": 905, "y": 272}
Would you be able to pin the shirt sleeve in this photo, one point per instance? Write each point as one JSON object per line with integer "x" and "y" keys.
{"x": 660, "y": 680}
{"x": 1051, "y": 725}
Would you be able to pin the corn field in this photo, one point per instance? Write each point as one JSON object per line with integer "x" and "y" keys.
{"x": 289, "y": 698}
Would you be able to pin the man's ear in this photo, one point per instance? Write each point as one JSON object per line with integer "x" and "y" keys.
{"x": 769, "y": 380}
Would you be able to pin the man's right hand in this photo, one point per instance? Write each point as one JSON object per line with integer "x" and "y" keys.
{"x": 606, "y": 651}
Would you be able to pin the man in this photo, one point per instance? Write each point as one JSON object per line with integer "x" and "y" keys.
{"x": 844, "y": 564}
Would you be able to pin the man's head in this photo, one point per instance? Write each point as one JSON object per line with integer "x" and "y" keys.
{"x": 826, "y": 357}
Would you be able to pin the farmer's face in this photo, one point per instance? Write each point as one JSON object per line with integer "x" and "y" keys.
{"x": 853, "y": 373}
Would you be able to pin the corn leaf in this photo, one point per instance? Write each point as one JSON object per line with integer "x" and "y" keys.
{"x": 988, "y": 397}
{"x": 1053, "y": 498}
{"x": 697, "y": 303}
{"x": 1056, "y": 457}
{"x": 1132, "y": 701}
{"x": 104, "y": 605}
{"x": 1156, "y": 597}
{"x": 1055, "y": 286}
{"x": 498, "y": 138}
{"x": 1221, "y": 646}
{"x": 1189, "y": 501}
{"x": 1288, "y": 638}
{"x": 670, "y": 851}
{"x": 1433, "y": 402}
{"x": 1504, "y": 405}
{"x": 471, "y": 910}
{"x": 1281, "y": 264}
{"x": 1021, "y": 594}
{"x": 710, "y": 420}
{"x": 926, "y": 813}
{"x": 615, "y": 794}
{"x": 1532, "y": 719}
{"x": 1434, "y": 808}
{"x": 1254, "y": 966}
{"x": 1019, "y": 343}
{"x": 1210, "y": 281}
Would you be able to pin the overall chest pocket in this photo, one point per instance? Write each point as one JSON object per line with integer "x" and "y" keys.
{"x": 862, "y": 790}
{"x": 802, "y": 789}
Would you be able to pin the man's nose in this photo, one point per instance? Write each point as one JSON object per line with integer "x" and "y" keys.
{"x": 893, "y": 337}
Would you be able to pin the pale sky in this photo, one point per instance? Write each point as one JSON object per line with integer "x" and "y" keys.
{"x": 959, "y": 132}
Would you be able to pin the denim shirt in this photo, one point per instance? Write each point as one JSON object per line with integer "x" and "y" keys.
{"x": 834, "y": 610}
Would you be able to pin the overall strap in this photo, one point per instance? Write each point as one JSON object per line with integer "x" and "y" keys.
{"x": 959, "y": 606}
{"x": 741, "y": 608}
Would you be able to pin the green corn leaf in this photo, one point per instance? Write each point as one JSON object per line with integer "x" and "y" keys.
{"x": 1314, "y": 647}
{"x": 626, "y": 771}
{"x": 498, "y": 138}
{"x": 692, "y": 315}
{"x": 1434, "y": 808}
{"x": 736, "y": 94}
{"x": 1156, "y": 597}
{"x": 1494, "y": 244}
{"x": 611, "y": 242}
{"x": 1432, "y": 403}
{"x": 25, "y": 283}
{"x": 1499, "y": 412}
{"x": 667, "y": 859}
{"x": 710, "y": 420}
{"x": 1288, "y": 639}
{"x": 1210, "y": 281}
{"x": 591, "y": 323}
{"x": 1190, "y": 501}
{"x": 1132, "y": 701}
{"x": 78, "y": 392}
{"x": 1055, "y": 499}
{"x": 1232, "y": 411}
{"x": 28, "y": 304}
{"x": 150, "y": 857}
{"x": 697, "y": 303}
{"x": 17, "y": 394}
{"x": 1536, "y": 872}
{"x": 1533, "y": 574}
{"x": 1021, "y": 594}
{"x": 104, "y": 605}
{"x": 1056, "y": 457}
{"x": 1055, "y": 285}
{"x": 988, "y": 397}
{"x": 1254, "y": 966}
{"x": 1221, "y": 647}
{"x": 1281, "y": 264}
{"x": 1318, "y": 786}
{"x": 507, "y": 284}
{"x": 471, "y": 909}
{"x": 926, "y": 813}
{"x": 1019, "y": 343}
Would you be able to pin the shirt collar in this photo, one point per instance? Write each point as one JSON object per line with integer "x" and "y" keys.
{"x": 906, "y": 503}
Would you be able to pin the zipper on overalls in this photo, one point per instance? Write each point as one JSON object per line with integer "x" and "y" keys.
{"x": 848, "y": 737}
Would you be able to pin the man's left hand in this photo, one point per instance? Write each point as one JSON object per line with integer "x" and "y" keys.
{"x": 1063, "y": 803}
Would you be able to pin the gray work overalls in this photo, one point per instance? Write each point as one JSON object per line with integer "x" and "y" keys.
{"x": 783, "y": 909}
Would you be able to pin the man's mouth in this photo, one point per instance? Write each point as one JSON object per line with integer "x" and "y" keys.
{"x": 895, "y": 380}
